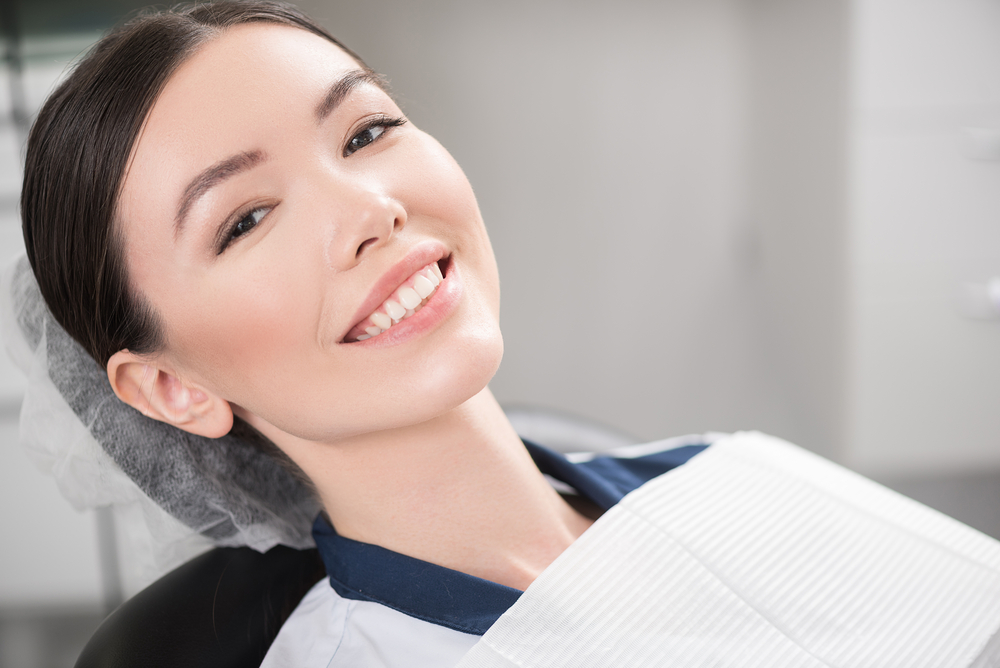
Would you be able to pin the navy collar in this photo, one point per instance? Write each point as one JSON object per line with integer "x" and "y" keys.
{"x": 365, "y": 572}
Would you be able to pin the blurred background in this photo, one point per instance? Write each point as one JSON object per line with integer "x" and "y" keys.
{"x": 708, "y": 215}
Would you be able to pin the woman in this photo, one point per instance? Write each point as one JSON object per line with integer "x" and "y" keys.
{"x": 265, "y": 237}
{"x": 227, "y": 210}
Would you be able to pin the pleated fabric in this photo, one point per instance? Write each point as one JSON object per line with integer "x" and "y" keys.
{"x": 757, "y": 553}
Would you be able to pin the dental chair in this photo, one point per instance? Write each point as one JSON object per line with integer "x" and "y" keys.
{"x": 222, "y": 609}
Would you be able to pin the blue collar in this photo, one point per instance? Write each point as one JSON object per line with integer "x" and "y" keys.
{"x": 365, "y": 572}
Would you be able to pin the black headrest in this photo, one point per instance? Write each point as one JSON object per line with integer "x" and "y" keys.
{"x": 222, "y": 609}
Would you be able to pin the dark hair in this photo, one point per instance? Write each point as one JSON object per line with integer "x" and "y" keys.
{"x": 76, "y": 158}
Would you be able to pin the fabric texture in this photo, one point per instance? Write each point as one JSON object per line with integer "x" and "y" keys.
{"x": 758, "y": 553}
{"x": 183, "y": 488}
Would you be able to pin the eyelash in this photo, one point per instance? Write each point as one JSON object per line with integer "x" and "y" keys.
{"x": 232, "y": 230}
{"x": 382, "y": 121}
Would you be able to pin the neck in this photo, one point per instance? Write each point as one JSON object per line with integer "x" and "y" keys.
{"x": 460, "y": 491}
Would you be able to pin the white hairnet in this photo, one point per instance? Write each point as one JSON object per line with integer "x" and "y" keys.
{"x": 103, "y": 452}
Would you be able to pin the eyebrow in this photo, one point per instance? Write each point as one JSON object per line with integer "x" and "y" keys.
{"x": 212, "y": 177}
{"x": 233, "y": 165}
{"x": 343, "y": 86}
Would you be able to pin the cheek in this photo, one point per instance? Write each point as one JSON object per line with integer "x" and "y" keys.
{"x": 237, "y": 333}
{"x": 439, "y": 187}
{"x": 444, "y": 193}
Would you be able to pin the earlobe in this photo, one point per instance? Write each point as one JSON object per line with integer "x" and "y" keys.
{"x": 157, "y": 392}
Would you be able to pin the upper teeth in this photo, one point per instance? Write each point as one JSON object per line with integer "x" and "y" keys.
{"x": 407, "y": 300}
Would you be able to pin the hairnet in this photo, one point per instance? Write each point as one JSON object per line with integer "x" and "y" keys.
{"x": 103, "y": 452}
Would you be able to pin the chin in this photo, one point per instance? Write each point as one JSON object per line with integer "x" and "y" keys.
{"x": 459, "y": 374}
{"x": 434, "y": 379}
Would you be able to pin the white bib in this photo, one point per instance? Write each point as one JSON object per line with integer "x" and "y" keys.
{"x": 758, "y": 553}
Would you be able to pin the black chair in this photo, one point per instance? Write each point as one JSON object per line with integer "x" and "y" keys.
{"x": 222, "y": 609}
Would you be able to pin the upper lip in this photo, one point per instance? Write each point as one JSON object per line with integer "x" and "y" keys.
{"x": 419, "y": 256}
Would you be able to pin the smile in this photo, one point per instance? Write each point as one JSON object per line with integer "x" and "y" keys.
{"x": 405, "y": 301}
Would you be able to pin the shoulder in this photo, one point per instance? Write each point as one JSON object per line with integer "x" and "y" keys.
{"x": 326, "y": 630}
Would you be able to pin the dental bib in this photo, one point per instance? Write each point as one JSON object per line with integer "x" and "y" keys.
{"x": 758, "y": 553}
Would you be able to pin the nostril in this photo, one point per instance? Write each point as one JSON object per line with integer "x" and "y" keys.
{"x": 365, "y": 244}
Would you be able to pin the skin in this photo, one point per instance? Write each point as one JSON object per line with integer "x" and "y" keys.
{"x": 403, "y": 441}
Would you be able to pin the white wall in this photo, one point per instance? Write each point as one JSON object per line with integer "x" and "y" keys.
{"x": 797, "y": 54}
{"x": 925, "y": 220}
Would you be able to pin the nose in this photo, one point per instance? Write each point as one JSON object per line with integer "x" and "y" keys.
{"x": 364, "y": 218}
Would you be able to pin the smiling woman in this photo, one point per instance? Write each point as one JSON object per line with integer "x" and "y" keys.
{"x": 275, "y": 243}
{"x": 229, "y": 212}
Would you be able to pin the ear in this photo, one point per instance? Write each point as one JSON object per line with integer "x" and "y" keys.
{"x": 155, "y": 391}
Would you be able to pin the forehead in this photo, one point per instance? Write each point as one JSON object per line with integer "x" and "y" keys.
{"x": 249, "y": 65}
{"x": 249, "y": 82}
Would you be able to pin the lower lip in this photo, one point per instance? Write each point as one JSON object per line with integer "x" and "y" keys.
{"x": 441, "y": 305}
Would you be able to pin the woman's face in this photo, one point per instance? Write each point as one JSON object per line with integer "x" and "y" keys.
{"x": 274, "y": 209}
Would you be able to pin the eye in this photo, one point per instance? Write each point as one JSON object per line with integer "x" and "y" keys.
{"x": 244, "y": 223}
{"x": 371, "y": 132}
{"x": 248, "y": 222}
{"x": 365, "y": 137}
